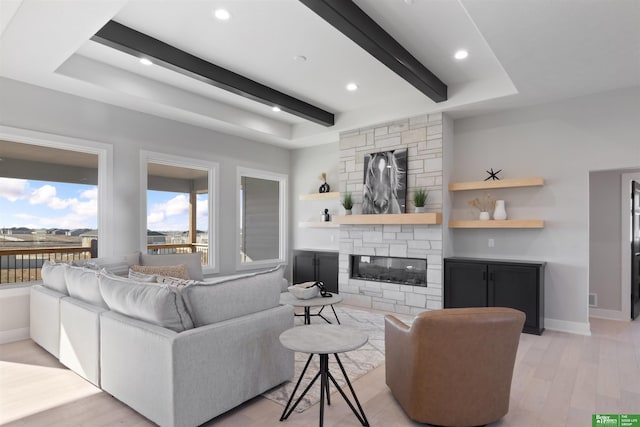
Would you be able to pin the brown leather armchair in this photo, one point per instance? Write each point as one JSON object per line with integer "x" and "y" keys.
{"x": 453, "y": 367}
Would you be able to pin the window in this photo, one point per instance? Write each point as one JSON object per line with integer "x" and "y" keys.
{"x": 262, "y": 218}
{"x": 54, "y": 192}
{"x": 180, "y": 215}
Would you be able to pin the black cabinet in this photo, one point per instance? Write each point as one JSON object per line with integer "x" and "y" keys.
{"x": 310, "y": 266}
{"x": 471, "y": 282}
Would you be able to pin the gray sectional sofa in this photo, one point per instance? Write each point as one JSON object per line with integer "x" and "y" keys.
{"x": 180, "y": 353}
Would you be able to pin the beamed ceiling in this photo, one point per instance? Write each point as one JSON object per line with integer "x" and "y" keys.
{"x": 299, "y": 55}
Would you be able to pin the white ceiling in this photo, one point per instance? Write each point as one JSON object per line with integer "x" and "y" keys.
{"x": 521, "y": 52}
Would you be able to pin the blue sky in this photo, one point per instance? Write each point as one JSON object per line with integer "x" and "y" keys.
{"x": 40, "y": 204}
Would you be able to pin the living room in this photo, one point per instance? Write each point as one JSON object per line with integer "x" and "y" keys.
{"x": 569, "y": 140}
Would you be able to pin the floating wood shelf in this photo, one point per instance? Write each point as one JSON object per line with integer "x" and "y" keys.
{"x": 320, "y": 196}
{"x": 503, "y": 183}
{"x": 507, "y": 223}
{"x": 318, "y": 224}
{"x": 429, "y": 218}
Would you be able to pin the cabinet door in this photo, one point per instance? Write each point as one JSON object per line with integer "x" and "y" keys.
{"x": 327, "y": 269}
{"x": 515, "y": 286}
{"x": 465, "y": 284}
{"x": 304, "y": 267}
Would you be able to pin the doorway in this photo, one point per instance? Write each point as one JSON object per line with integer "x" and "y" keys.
{"x": 635, "y": 249}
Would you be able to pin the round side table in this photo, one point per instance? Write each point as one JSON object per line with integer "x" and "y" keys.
{"x": 324, "y": 340}
{"x": 288, "y": 298}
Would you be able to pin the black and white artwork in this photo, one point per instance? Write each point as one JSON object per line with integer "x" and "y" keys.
{"x": 385, "y": 182}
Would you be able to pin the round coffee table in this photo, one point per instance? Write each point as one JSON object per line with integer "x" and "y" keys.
{"x": 324, "y": 340}
{"x": 288, "y": 298}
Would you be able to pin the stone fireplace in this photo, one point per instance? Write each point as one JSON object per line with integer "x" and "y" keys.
{"x": 422, "y": 137}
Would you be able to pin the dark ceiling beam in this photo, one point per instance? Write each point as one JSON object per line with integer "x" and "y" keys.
{"x": 133, "y": 42}
{"x": 350, "y": 20}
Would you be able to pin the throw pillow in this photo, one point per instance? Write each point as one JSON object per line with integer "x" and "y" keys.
{"x": 115, "y": 264}
{"x": 178, "y": 271}
{"x": 159, "y": 305}
{"x": 142, "y": 277}
{"x": 53, "y": 276}
{"x": 192, "y": 261}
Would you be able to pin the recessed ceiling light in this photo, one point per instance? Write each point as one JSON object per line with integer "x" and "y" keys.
{"x": 145, "y": 61}
{"x": 461, "y": 54}
{"x": 276, "y": 109}
{"x": 351, "y": 87}
{"x": 222, "y": 14}
{"x": 300, "y": 58}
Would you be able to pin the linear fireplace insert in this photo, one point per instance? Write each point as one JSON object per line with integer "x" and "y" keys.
{"x": 405, "y": 271}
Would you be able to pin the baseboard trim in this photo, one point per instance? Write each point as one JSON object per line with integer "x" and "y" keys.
{"x": 14, "y": 335}
{"x": 601, "y": 313}
{"x": 568, "y": 326}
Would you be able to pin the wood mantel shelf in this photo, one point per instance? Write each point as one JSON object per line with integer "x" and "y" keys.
{"x": 429, "y": 218}
{"x": 320, "y": 196}
{"x": 507, "y": 223}
{"x": 318, "y": 224}
{"x": 503, "y": 183}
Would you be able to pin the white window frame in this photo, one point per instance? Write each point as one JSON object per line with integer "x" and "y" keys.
{"x": 212, "y": 169}
{"x": 105, "y": 173}
{"x": 283, "y": 220}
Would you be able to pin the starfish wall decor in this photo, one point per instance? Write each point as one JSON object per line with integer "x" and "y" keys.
{"x": 493, "y": 175}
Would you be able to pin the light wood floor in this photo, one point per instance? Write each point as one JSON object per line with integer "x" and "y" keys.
{"x": 559, "y": 380}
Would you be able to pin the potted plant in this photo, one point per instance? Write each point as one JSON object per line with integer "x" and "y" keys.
{"x": 420, "y": 196}
{"x": 347, "y": 203}
{"x": 484, "y": 205}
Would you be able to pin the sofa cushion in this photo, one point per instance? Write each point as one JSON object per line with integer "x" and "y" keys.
{"x": 192, "y": 261}
{"x": 177, "y": 271}
{"x": 237, "y": 296}
{"x": 142, "y": 277}
{"x": 53, "y": 276}
{"x": 114, "y": 264}
{"x": 160, "y": 305}
{"x": 83, "y": 285}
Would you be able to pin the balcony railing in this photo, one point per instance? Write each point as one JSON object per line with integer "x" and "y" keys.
{"x": 24, "y": 265}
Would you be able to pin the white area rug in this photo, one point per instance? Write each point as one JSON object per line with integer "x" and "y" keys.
{"x": 356, "y": 363}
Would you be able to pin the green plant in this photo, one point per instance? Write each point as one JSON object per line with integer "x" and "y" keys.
{"x": 420, "y": 197}
{"x": 347, "y": 201}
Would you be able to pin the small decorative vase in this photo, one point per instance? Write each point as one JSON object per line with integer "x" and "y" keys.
{"x": 419, "y": 209}
{"x": 484, "y": 216}
{"x": 347, "y": 211}
{"x": 500, "y": 213}
{"x": 324, "y": 188}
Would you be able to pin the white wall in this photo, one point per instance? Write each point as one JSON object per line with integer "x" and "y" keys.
{"x": 306, "y": 166}
{"x": 33, "y": 108}
{"x": 561, "y": 142}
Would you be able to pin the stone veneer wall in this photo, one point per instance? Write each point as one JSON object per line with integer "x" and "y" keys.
{"x": 422, "y": 136}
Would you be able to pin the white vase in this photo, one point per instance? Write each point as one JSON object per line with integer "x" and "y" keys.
{"x": 484, "y": 216}
{"x": 500, "y": 212}
{"x": 419, "y": 209}
{"x": 347, "y": 211}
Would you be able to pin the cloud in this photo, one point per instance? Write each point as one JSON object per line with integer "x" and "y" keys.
{"x": 170, "y": 215}
{"x": 46, "y": 195}
{"x": 13, "y": 189}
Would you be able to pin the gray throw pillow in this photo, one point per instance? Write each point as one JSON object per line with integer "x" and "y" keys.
{"x": 160, "y": 305}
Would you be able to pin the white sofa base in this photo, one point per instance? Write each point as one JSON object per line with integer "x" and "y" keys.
{"x": 187, "y": 378}
{"x": 44, "y": 318}
{"x": 80, "y": 338}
